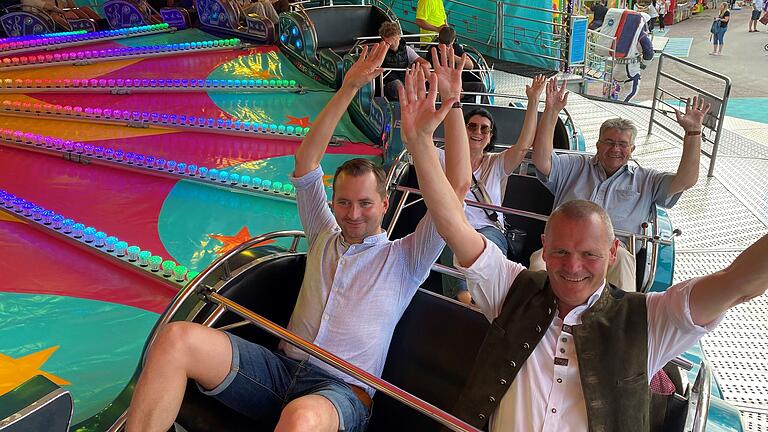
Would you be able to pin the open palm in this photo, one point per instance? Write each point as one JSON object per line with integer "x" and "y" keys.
{"x": 695, "y": 110}
{"x": 448, "y": 72}
{"x": 418, "y": 116}
{"x": 368, "y": 65}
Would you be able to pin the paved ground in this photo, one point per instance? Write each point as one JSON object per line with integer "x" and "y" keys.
{"x": 744, "y": 60}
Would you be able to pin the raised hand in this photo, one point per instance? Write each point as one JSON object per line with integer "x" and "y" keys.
{"x": 695, "y": 110}
{"x": 533, "y": 91}
{"x": 418, "y": 116}
{"x": 557, "y": 98}
{"x": 367, "y": 67}
{"x": 448, "y": 72}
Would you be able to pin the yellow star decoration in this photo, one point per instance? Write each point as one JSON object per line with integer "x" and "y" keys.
{"x": 328, "y": 180}
{"x": 15, "y": 371}
{"x": 231, "y": 242}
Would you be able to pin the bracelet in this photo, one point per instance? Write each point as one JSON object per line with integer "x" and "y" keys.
{"x": 693, "y": 133}
{"x": 456, "y": 104}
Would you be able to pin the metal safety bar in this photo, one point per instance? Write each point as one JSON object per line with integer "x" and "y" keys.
{"x": 719, "y": 118}
{"x": 537, "y": 216}
{"x": 698, "y": 400}
{"x": 451, "y": 422}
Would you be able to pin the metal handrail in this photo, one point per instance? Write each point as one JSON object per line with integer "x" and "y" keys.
{"x": 698, "y": 400}
{"x": 192, "y": 287}
{"x": 719, "y": 118}
{"x": 537, "y": 216}
{"x": 431, "y": 411}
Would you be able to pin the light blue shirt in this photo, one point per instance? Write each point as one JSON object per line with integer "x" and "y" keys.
{"x": 628, "y": 195}
{"x": 353, "y": 295}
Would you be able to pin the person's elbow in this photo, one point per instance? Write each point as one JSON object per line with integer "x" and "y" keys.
{"x": 461, "y": 188}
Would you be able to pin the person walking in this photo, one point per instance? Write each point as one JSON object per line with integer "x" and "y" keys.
{"x": 661, "y": 7}
{"x": 654, "y": 14}
{"x": 719, "y": 27}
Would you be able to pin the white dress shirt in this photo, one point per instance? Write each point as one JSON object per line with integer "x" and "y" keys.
{"x": 546, "y": 396}
{"x": 353, "y": 295}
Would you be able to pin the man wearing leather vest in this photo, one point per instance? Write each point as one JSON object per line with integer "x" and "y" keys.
{"x": 399, "y": 56}
{"x": 565, "y": 351}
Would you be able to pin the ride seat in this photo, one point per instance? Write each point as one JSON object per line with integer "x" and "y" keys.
{"x": 430, "y": 356}
{"x": 338, "y": 27}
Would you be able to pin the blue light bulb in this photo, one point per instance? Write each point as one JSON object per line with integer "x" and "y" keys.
{"x": 77, "y": 230}
{"x": 110, "y": 242}
{"x": 88, "y": 234}
{"x": 234, "y": 178}
{"x": 98, "y": 239}
{"x": 203, "y": 171}
{"x": 223, "y": 176}
{"x": 191, "y": 169}
{"x": 213, "y": 174}
{"x": 245, "y": 180}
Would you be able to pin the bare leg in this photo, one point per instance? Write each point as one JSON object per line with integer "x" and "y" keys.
{"x": 312, "y": 413}
{"x": 182, "y": 350}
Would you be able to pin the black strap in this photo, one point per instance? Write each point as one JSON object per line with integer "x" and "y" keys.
{"x": 492, "y": 215}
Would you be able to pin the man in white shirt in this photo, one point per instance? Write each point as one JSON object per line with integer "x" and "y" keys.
{"x": 558, "y": 343}
{"x": 356, "y": 286}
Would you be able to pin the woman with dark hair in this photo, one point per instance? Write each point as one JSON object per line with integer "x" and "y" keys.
{"x": 489, "y": 175}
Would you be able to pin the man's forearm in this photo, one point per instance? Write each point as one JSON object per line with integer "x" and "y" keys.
{"x": 688, "y": 171}
{"x": 542, "y": 144}
{"x": 457, "y": 166}
{"x": 313, "y": 147}
{"x": 426, "y": 26}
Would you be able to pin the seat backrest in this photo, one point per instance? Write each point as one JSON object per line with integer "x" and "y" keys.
{"x": 529, "y": 194}
{"x": 509, "y": 123}
{"x": 340, "y": 26}
{"x": 431, "y": 354}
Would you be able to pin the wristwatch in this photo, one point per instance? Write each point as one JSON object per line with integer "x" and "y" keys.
{"x": 457, "y": 104}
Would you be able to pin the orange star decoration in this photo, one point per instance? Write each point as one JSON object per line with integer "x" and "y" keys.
{"x": 328, "y": 180}
{"x": 15, "y": 371}
{"x": 263, "y": 74}
{"x": 231, "y": 242}
{"x": 299, "y": 121}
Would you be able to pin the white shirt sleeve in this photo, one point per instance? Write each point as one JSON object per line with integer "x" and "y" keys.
{"x": 489, "y": 279}
{"x": 314, "y": 213}
{"x": 412, "y": 55}
{"x": 671, "y": 330}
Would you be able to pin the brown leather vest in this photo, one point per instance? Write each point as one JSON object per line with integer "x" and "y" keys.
{"x": 611, "y": 345}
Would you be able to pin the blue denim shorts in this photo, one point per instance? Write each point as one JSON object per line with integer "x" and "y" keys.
{"x": 261, "y": 382}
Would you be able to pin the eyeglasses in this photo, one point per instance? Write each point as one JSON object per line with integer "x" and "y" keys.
{"x": 484, "y": 129}
{"x": 620, "y": 144}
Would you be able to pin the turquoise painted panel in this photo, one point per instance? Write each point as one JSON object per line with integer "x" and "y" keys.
{"x": 99, "y": 343}
{"x": 185, "y": 226}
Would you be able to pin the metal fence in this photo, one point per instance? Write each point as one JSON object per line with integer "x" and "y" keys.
{"x": 671, "y": 92}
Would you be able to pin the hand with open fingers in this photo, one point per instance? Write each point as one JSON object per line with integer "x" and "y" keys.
{"x": 695, "y": 110}
{"x": 533, "y": 91}
{"x": 367, "y": 67}
{"x": 448, "y": 72}
{"x": 418, "y": 116}
{"x": 557, "y": 98}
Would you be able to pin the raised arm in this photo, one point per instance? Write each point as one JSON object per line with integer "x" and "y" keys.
{"x": 448, "y": 73}
{"x": 688, "y": 171}
{"x": 312, "y": 148}
{"x": 419, "y": 119}
{"x": 514, "y": 155}
{"x": 557, "y": 98}
{"x": 743, "y": 280}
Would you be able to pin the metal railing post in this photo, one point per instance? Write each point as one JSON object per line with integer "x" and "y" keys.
{"x": 718, "y": 134}
{"x": 655, "y": 94}
{"x": 499, "y": 28}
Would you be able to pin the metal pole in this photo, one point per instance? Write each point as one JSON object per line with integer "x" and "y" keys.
{"x": 718, "y": 135}
{"x": 395, "y": 392}
{"x": 499, "y": 29}
{"x": 655, "y": 93}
